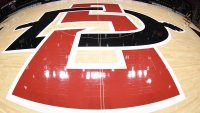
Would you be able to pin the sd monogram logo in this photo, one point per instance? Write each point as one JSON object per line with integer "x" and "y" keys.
{"x": 95, "y": 56}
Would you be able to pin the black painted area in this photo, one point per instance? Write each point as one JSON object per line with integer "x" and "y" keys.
{"x": 154, "y": 32}
{"x": 1, "y": 28}
{"x": 173, "y": 27}
{"x": 29, "y": 39}
{"x": 197, "y": 32}
{"x": 47, "y": 1}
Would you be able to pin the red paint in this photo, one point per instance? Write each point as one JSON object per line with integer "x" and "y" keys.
{"x": 118, "y": 91}
{"x": 120, "y": 23}
{"x": 108, "y": 7}
{"x": 76, "y": 89}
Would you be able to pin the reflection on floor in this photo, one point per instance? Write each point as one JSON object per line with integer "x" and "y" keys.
{"x": 145, "y": 80}
{"x": 125, "y": 68}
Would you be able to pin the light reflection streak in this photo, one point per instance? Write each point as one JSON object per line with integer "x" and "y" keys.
{"x": 141, "y": 73}
{"x": 62, "y": 74}
{"x": 47, "y": 73}
{"x": 132, "y": 73}
{"x": 95, "y": 75}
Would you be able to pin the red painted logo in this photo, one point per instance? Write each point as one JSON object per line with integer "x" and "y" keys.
{"x": 142, "y": 77}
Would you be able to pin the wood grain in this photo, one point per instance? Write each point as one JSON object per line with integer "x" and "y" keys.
{"x": 182, "y": 52}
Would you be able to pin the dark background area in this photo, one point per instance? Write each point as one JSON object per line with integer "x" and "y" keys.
{"x": 9, "y": 6}
{"x": 182, "y": 6}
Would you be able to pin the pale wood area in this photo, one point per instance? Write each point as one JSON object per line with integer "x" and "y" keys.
{"x": 182, "y": 52}
{"x": 103, "y": 56}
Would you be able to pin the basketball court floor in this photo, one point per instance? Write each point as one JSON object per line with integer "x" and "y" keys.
{"x": 99, "y": 56}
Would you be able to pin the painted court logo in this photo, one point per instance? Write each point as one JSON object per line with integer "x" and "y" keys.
{"x": 92, "y": 57}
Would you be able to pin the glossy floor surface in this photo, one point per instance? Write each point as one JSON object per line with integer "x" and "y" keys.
{"x": 98, "y": 56}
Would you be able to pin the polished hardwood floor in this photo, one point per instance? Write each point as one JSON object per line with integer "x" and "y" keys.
{"x": 157, "y": 72}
